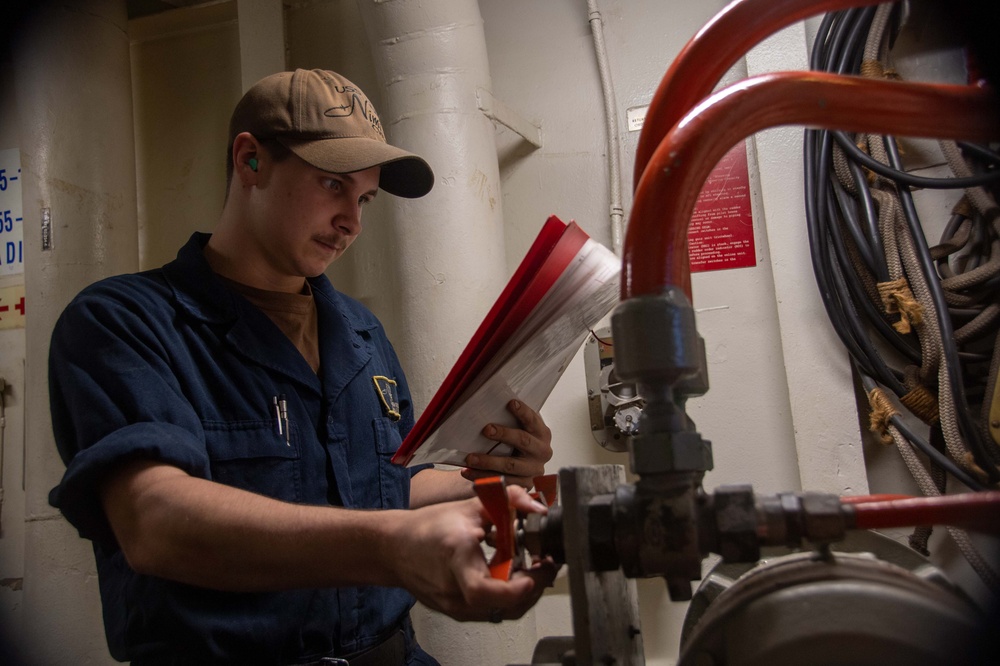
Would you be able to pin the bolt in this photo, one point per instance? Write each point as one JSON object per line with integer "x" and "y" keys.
{"x": 995, "y": 424}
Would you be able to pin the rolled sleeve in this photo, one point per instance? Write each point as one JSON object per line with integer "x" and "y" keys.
{"x": 78, "y": 496}
{"x": 114, "y": 398}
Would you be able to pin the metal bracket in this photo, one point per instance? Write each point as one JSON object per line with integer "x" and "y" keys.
{"x": 499, "y": 112}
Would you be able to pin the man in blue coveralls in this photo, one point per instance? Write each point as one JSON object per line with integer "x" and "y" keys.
{"x": 228, "y": 421}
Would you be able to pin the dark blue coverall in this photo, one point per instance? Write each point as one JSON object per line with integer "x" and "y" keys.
{"x": 171, "y": 365}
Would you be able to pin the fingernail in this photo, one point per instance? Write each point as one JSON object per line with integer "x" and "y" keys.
{"x": 490, "y": 431}
{"x": 472, "y": 460}
{"x": 539, "y": 507}
{"x": 515, "y": 404}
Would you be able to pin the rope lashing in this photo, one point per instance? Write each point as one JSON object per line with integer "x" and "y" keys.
{"x": 882, "y": 411}
{"x": 872, "y": 69}
{"x": 922, "y": 403}
{"x": 898, "y": 299}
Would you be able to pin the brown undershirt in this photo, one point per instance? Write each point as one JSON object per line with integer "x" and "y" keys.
{"x": 294, "y": 314}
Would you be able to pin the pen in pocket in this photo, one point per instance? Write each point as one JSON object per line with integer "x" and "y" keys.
{"x": 281, "y": 417}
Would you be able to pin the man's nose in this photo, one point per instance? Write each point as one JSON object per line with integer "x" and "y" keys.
{"x": 349, "y": 221}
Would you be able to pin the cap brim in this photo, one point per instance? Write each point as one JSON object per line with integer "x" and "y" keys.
{"x": 403, "y": 173}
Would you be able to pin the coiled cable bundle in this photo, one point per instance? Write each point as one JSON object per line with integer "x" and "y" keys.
{"x": 921, "y": 323}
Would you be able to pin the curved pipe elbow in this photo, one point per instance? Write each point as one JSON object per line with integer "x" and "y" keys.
{"x": 706, "y": 58}
{"x": 655, "y": 250}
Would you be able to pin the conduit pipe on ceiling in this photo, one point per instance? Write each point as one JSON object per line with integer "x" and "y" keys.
{"x": 611, "y": 127}
{"x": 704, "y": 60}
{"x": 430, "y": 58}
{"x": 74, "y": 98}
{"x": 655, "y": 252}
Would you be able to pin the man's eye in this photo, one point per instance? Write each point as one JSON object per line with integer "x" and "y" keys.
{"x": 331, "y": 184}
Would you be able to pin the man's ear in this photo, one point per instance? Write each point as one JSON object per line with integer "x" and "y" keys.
{"x": 246, "y": 158}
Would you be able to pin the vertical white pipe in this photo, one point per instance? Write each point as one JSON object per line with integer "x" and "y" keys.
{"x": 430, "y": 57}
{"x": 74, "y": 99}
{"x": 262, "y": 39}
{"x": 617, "y": 213}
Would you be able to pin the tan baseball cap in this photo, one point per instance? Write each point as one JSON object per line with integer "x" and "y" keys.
{"x": 330, "y": 123}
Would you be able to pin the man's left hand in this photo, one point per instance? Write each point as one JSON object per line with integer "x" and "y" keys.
{"x": 532, "y": 444}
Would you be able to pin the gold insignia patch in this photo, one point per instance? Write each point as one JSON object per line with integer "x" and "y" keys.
{"x": 386, "y": 389}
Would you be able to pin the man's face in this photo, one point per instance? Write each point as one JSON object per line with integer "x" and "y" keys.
{"x": 304, "y": 218}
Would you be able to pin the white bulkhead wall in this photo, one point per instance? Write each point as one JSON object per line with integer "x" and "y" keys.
{"x": 74, "y": 130}
{"x": 431, "y": 268}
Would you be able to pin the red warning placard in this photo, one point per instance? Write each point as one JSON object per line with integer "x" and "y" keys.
{"x": 721, "y": 231}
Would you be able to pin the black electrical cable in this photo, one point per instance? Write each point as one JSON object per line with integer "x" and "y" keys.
{"x": 850, "y": 59}
{"x": 840, "y": 312}
{"x": 970, "y": 433}
{"x": 950, "y": 229}
{"x": 936, "y": 456}
{"x": 925, "y": 447}
{"x": 818, "y": 251}
{"x": 870, "y": 217}
{"x": 861, "y": 241}
{"x": 839, "y": 34}
{"x": 847, "y": 283}
{"x": 855, "y": 31}
{"x": 980, "y": 243}
{"x": 980, "y": 151}
{"x": 837, "y": 220}
{"x": 859, "y": 297}
{"x": 909, "y": 179}
{"x": 830, "y": 19}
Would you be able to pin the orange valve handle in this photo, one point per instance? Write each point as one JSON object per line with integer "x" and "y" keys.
{"x": 492, "y": 492}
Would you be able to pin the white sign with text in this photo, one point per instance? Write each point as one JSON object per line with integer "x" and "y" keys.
{"x": 11, "y": 223}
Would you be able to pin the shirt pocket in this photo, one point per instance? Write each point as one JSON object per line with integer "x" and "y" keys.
{"x": 251, "y": 455}
{"x": 394, "y": 480}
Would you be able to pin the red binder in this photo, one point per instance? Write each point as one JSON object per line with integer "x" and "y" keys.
{"x": 554, "y": 248}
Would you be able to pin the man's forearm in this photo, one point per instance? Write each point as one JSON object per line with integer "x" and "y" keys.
{"x": 199, "y": 532}
{"x": 176, "y": 526}
{"x": 432, "y": 486}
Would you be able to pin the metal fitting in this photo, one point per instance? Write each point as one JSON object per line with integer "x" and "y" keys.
{"x": 735, "y": 516}
{"x": 655, "y": 338}
{"x": 661, "y": 452}
{"x": 788, "y": 519}
{"x": 656, "y": 531}
{"x": 542, "y": 535}
{"x": 823, "y": 518}
{"x": 601, "y": 528}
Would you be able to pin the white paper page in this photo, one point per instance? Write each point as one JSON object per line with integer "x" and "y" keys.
{"x": 592, "y": 266}
{"x": 531, "y": 371}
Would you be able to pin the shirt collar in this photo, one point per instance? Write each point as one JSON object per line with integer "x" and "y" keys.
{"x": 202, "y": 294}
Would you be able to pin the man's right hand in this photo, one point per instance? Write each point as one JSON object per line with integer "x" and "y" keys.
{"x": 441, "y": 562}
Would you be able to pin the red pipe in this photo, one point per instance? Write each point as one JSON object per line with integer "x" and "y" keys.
{"x": 975, "y": 511}
{"x": 865, "y": 499}
{"x": 655, "y": 250}
{"x": 704, "y": 60}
